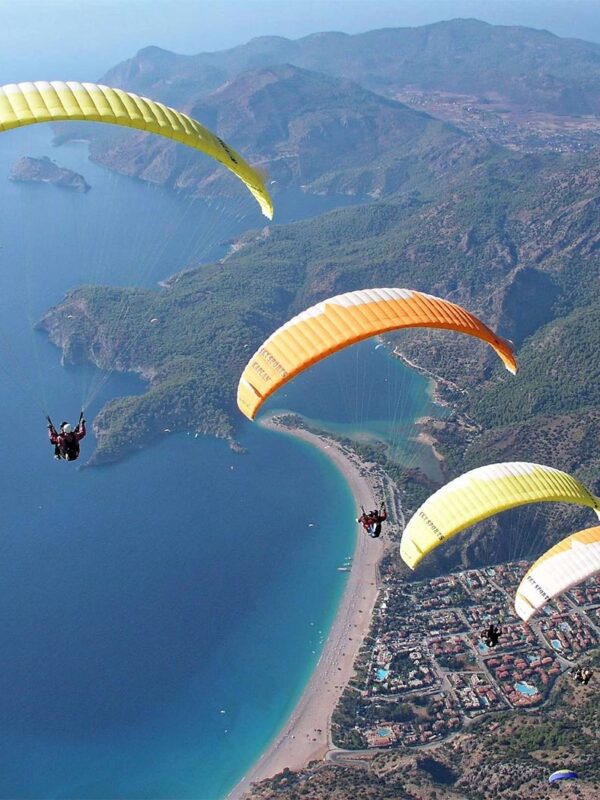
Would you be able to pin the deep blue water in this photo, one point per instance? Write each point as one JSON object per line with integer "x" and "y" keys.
{"x": 159, "y": 617}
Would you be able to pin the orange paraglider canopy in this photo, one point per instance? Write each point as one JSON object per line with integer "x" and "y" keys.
{"x": 343, "y": 320}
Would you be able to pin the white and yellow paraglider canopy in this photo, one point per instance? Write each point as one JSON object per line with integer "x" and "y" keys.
{"x": 480, "y": 494}
{"x": 568, "y": 563}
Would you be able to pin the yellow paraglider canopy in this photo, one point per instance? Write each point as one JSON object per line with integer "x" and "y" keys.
{"x": 569, "y": 562}
{"x": 343, "y": 320}
{"x": 27, "y": 103}
{"x": 482, "y": 493}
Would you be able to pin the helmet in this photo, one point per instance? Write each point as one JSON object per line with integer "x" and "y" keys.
{"x": 66, "y": 428}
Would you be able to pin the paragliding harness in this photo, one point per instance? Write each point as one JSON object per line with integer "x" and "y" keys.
{"x": 491, "y": 636}
{"x": 373, "y": 528}
{"x": 69, "y": 448}
{"x": 582, "y": 675}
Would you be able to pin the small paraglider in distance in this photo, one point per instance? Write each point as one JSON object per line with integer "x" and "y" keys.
{"x": 563, "y": 775}
{"x": 66, "y": 442}
{"x": 371, "y": 522}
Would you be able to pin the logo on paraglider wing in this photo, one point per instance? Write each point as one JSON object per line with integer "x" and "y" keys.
{"x": 261, "y": 372}
{"x": 272, "y": 362}
{"x": 431, "y": 524}
{"x": 227, "y": 150}
{"x": 535, "y": 585}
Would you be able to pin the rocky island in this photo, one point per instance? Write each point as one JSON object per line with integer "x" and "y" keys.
{"x": 44, "y": 170}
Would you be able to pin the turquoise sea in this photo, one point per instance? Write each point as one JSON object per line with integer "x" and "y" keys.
{"x": 160, "y": 617}
{"x": 366, "y": 394}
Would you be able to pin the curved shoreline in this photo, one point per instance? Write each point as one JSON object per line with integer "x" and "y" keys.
{"x": 305, "y": 735}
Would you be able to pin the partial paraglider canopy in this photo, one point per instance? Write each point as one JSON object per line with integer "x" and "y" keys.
{"x": 42, "y": 101}
{"x": 480, "y": 494}
{"x": 344, "y": 320}
{"x": 569, "y": 562}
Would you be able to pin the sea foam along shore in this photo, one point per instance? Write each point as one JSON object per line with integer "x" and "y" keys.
{"x": 306, "y": 734}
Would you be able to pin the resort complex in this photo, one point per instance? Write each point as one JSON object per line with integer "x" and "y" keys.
{"x": 424, "y": 672}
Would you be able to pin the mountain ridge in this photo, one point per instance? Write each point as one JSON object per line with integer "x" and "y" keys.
{"x": 320, "y": 132}
{"x": 428, "y": 56}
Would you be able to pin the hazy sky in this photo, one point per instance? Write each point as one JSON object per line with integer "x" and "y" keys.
{"x": 83, "y": 38}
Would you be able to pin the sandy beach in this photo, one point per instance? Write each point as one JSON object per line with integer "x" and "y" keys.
{"x": 305, "y": 735}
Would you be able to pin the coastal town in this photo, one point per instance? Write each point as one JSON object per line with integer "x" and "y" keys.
{"x": 425, "y": 672}
{"x": 405, "y": 666}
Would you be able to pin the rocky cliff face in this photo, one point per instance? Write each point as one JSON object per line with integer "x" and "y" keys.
{"x": 80, "y": 335}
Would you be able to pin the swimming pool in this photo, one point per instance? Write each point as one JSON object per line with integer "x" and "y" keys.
{"x": 526, "y": 688}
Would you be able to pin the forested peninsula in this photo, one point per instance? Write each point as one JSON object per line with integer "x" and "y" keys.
{"x": 511, "y": 232}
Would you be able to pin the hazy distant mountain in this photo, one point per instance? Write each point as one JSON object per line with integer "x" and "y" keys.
{"x": 524, "y": 67}
{"x": 319, "y": 112}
